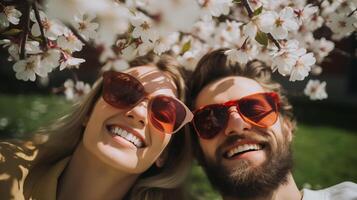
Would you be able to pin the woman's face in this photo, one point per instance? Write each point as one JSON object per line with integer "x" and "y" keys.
{"x": 124, "y": 138}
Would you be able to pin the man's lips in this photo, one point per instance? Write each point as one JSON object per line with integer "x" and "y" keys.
{"x": 127, "y": 133}
{"x": 241, "y": 147}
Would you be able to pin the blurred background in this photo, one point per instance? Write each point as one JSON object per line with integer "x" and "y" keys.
{"x": 324, "y": 144}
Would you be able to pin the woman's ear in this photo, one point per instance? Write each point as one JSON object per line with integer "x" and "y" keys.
{"x": 160, "y": 161}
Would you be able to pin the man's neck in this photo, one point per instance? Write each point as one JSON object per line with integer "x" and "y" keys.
{"x": 87, "y": 178}
{"x": 289, "y": 190}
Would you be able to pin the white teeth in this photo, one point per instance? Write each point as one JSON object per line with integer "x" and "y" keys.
{"x": 242, "y": 148}
{"x": 128, "y": 136}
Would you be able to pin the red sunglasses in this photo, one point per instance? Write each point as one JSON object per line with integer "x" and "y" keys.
{"x": 166, "y": 113}
{"x": 260, "y": 109}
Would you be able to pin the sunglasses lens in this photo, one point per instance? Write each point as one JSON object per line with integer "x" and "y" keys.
{"x": 210, "y": 121}
{"x": 121, "y": 90}
{"x": 259, "y": 109}
{"x": 167, "y": 114}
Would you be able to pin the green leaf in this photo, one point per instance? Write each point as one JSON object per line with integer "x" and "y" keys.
{"x": 186, "y": 47}
{"x": 258, "y": 11}
{"x": 237, "y": 1}
{"x": 12, "y": 32}
{"x": 262, "y": 38}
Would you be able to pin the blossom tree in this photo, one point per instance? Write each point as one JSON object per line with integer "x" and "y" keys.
{"x": 43, "y": 36}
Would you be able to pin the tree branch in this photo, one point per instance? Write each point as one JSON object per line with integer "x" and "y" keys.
{"x": 39, "y": 21}
{"x": 248, "y": 8}
{"x": 25, "y": 32}
{"x": 349, "y": 15}
{"x": 75, "y": 32}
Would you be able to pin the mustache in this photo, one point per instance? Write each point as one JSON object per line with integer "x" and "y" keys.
{"x": 259, "y": 136}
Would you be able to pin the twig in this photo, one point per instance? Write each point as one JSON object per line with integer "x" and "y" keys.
{"x": 248, "y": 8}
{"x": 349, "y": 15}
{"x": 75, "y": 32}
{"x": 251, "y": 14}
{"x": 39, "y": 21}
{"x": 75, "y": 76}
{"x": 271, "y": 38}
{"x": 25, "y": 32}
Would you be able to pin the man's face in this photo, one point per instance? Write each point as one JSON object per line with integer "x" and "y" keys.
{"x": 243, "y": 159}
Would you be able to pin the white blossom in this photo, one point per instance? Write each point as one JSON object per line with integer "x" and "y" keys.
{"x": 279, "y": 24}
{"x": 143, "y": 28}
{"x": 69, "y": 42}
{"x": 306, "y": 13}
{"x": 214, "y": 8}
{"x": 29, "y": 68}
{"x": 286, "y": 57}
{"x": 316, "y": 90}
{"x": 113, "y": 20}
{"x": 75, "y": 91}
{"x": 242, "y": 55}
{"x": 315, "y": 22}
{"x": 164, "y": 43}
{"x": 9, "y": 14}
{"x": 116, "y": 65}
{"x": 177, "y": 15}
{"x": 107, "y": 53}
{"x": 341, "y": 25}
{"x": 83, "y": 23}
{"x": 31, "y": 47}
{"x": 52, "y": 28}
{"x": 66, "y": 9}
{"x": 129, "y": 53}
{"x": 68, "y": 61}
{"x": 189, "y": 59}
{"x": 204, "y": 29}
{"x": 50, "y": 59}
{"x": 145, "y": 47}
{"x": 302, "y": 66}
{"x": 322, "y": 48}
{"x": 229, "y": 32}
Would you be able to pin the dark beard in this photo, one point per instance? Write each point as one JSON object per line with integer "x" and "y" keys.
{"x": 245, "y": 181}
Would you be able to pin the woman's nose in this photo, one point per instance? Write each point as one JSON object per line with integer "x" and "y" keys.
{"x": 139, "y": 114}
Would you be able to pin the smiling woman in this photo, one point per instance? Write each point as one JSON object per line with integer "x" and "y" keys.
{"x": 121, "y": 142}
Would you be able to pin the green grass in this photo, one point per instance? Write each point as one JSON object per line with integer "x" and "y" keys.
{"x": 324, "y": 155}
{"x": 22, "y": 114}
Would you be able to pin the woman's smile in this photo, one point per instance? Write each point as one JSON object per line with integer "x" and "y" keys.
{"x": 120, "y": 132}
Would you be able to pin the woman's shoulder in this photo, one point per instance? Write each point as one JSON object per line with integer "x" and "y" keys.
{"x": 16, "y": 157}
{"x": 16, "y": 150}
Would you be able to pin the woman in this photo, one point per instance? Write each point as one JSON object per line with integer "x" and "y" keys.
{"x": 120, "y": 142}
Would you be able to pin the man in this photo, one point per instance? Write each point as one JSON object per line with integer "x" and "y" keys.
{"x": 244, "y": 127}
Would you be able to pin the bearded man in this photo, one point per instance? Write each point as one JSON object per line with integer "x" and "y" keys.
{"x": 245, "y": 126}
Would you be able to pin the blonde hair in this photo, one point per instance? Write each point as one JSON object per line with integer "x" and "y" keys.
{"x": 61, "y": 139}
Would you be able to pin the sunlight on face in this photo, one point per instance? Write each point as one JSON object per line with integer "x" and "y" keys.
{"x": 137, "y": 143}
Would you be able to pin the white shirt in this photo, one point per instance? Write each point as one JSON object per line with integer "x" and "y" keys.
{"x": 342, "y": 191}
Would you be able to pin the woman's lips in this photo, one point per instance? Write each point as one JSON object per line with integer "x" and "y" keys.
{"x": 125, "y": 133}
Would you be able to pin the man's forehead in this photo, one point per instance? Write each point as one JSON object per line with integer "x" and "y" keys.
{"x": 228, "y": 88}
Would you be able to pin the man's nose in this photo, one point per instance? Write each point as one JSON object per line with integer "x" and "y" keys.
{"x": 235, "y": 123}
{"x": 138, "y": 115}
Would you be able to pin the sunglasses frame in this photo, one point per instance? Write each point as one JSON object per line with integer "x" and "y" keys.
{"x": 146, "y": 95}
{"x": 231, "y": 103}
